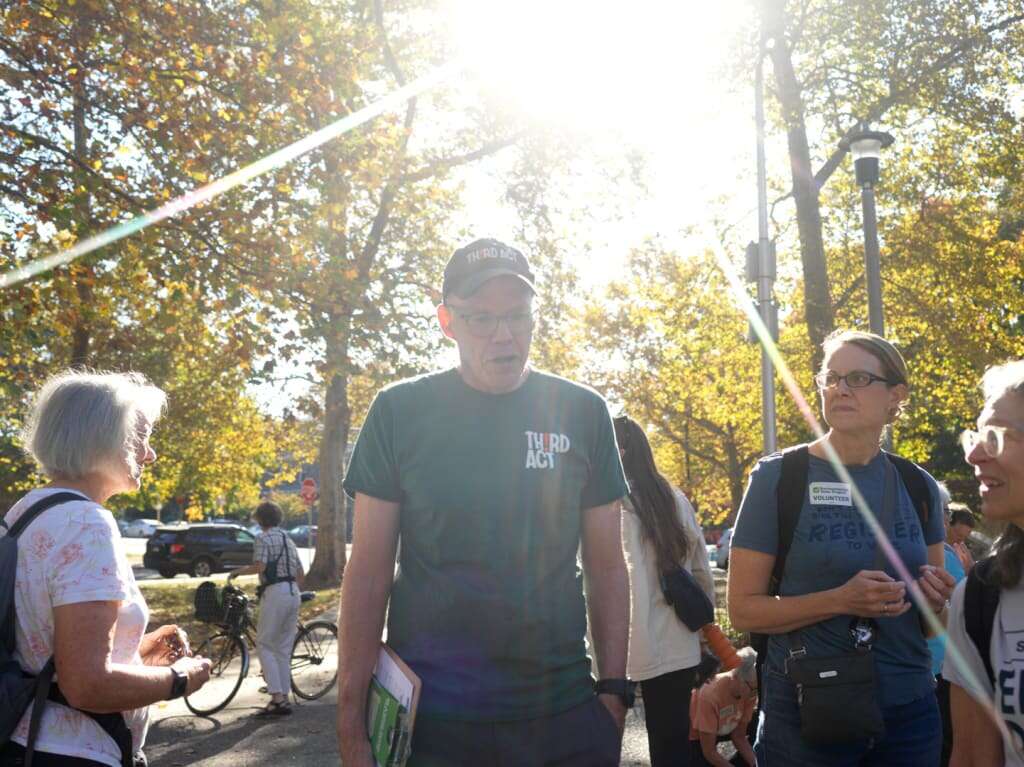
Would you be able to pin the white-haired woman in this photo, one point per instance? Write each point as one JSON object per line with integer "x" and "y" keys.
{"x": 837, "y": 595}
{"x": 724, "y": 707}
{"x": 76, "y": 600}
{"x": 993, "y": 590}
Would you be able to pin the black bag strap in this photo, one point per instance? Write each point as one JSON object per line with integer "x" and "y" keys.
{"x": 112, "y": 723}
{"x": 789, "y": 499}
{"x": 37, "y": 508}
{"x": 981, "y": 600}
{"x": 917, "y": 486}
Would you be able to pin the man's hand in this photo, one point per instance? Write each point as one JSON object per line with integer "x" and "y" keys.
{"x": 616, "y": 708}
{"x": 355, "y": 752}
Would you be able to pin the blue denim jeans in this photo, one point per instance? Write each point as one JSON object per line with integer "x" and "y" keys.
{"x": 913, "y": 734}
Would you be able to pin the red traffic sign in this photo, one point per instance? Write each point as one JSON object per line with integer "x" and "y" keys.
{"x": 309, "y": 492}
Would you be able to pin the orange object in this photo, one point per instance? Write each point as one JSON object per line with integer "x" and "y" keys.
{"x": 721, "y": 646}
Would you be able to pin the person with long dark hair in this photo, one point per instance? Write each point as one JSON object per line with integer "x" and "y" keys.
{"x": 660, "y": 534}
{"x": 986, "y": 616}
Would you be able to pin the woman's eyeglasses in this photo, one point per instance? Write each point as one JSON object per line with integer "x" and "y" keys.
{"x": 991, "y": 438}
{"x": 858, "y": 379}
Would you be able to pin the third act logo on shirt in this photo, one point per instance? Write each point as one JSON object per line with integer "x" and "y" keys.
{"x": 542, "y": 447}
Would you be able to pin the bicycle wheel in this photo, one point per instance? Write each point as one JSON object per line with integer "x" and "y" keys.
{"x": 229, "y": 657}
{"x": 315, "y": 659}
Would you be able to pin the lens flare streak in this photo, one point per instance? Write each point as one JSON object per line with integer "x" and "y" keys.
{"x": 206, "y": 193}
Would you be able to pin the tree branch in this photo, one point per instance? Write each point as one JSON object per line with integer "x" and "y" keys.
{"x": 447, "y": 163}
{"x": 895, "y": 96}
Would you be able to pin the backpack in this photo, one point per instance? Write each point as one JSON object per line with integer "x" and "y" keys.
{"x": 17, "y": 688}
{"x": 981, "y": 600}
{"x": 789, "y": 494}
{"x": 207, "y": 603}
{"x": 270, "y": 576}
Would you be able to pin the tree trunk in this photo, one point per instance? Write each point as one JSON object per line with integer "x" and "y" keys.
{"x": 329, "y": 561}
{"x": 735, "y": 473}
{"x": 817, "y": 299}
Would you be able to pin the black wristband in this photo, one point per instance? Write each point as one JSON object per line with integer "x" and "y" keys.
{"x": 623, "y": 689}
{"x": 179, "y": 684}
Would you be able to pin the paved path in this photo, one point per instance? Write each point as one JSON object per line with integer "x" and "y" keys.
{"x": 235, "y": 736}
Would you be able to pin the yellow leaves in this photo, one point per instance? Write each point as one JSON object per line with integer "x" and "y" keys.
{"x": 306, "y": 39}
{"x": 97, "y": 164}
{"x": 179, "y": 82}
{"x": 199, "y": 175}
{"x": 284, "y": 188}
{"x": 151, "y": 124}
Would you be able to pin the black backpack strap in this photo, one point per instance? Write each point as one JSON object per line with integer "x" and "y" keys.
{"x": 39, "y": 507}
{"x": 789, "y": 501}
{"x": 789, "y": 498}
{"x": 43, "y": 682}
{"x": 981, "y": 600}
{"x": 917, "y": 486}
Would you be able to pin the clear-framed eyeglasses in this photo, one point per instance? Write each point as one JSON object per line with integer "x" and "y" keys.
{"x": 485, "y": 324}
{"x": 856, "y": 379}
{"x": 991, "y": 438}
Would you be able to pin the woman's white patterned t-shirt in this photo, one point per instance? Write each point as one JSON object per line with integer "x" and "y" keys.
{"x": 71, "y": 553}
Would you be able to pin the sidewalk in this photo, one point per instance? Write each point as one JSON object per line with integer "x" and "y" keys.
{"x": 235, "y": 736}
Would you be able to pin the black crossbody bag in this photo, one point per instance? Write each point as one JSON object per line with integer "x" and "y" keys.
{"x": 838, "y": 695}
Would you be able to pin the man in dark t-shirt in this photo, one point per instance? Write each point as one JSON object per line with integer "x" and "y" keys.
{"x": 491, "y": 476}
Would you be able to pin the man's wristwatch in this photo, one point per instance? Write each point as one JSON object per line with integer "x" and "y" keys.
{"x": 179, "y": 684}
{"x": 624, "y": 689}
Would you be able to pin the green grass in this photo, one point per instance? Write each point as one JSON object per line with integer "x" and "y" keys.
{"x": 171, "y": 602}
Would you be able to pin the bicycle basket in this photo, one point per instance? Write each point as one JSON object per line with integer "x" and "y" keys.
{"x": 207, "y": 603}
{"x": 235, "y": 605}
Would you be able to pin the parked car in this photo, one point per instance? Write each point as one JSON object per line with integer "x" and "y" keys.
{"x": 198, "y": 549}
{"x": 140, "y": 528}
{"x": 302, "y": 537}
{"x": 722, "y": 550}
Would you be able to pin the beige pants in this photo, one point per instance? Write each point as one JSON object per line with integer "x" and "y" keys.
{"x": 275, "y": 635}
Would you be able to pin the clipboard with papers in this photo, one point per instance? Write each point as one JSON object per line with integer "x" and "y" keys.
{"x": 391, "y": 709}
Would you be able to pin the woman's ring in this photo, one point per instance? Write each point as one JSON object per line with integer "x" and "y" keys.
{"x": 885, "y": 607}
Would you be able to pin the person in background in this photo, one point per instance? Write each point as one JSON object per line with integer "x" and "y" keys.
{"x": 75, "y": 595}
{"x": 996, "y": 451}
{"x": 277, "y": 561}
{"x": 725, "y": 706}
{"x": 937, "y": 644}
{"x": 959, "y": 524}
{"x": 659, "y": 534}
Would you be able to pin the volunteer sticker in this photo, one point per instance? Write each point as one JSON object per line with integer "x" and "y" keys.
{"x": 831, "y": 494}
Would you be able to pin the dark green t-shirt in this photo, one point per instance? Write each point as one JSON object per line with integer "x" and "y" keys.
{"x": 487, "y": 606}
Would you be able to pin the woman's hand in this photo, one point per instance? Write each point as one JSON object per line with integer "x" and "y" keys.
{"x": 873, "y": 594}
{"x": 936, "y": 585}
{"x": 196, "y": 669}
{"x": 164, "y": 646}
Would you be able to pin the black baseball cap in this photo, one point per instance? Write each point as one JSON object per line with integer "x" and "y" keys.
{"x": 480, "y": 261}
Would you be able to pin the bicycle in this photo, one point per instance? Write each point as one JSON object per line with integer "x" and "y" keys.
{"x": 314, "y": 659}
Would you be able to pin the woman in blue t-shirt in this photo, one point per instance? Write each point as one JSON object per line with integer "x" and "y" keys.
{"x": 833, "y": 581}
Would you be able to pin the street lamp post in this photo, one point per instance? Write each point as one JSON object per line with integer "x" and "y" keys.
{"x": 866, "y": 147}
{"x": 761, "y": 266}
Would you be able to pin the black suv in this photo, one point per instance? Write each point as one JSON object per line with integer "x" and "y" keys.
{"x": 198, "y": 549}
